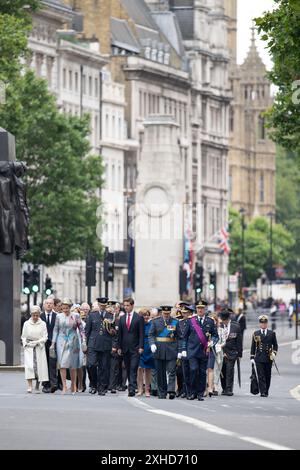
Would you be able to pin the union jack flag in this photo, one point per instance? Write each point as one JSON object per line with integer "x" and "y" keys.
{"x": 224, "y": 241}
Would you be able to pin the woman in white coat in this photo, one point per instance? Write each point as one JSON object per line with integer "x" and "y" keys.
{"x": 34, "y": 337}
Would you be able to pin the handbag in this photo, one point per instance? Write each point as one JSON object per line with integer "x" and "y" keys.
{"x": 254, "y": 388}
{"x": 52, "y": 353}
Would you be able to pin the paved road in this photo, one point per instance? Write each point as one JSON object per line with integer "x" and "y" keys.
{"x": 83, "y": 421}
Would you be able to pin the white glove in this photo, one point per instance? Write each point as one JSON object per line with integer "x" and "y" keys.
{"x": 210, "y": 344}
{"x": 218, "y": 348}
{"x": 273, "y": 355}
{"x": 179, "y": 355}
{"x": 184, "y": 354}
{"x": 84, "y": 347}
{"x": 153, "y": 348}
{"x": 252, "y": 361}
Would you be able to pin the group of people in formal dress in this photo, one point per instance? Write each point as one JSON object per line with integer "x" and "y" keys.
{"x": 171, "y": 351}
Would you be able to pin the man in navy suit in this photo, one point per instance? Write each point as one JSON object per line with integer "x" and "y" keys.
{"x": 49, "y": 316}
{"x": 131, "y": 342}
{"x": 200, "y": 334}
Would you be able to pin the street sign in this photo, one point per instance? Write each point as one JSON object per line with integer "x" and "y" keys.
{"x": 233, "y": 283}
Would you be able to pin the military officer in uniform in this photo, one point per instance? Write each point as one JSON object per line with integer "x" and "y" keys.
{"x": 264, "y": 348}
{"x": 163, "y": 339}
{"x": 99, "y": 333}
{"x": 115, "y": 381}
{"x": 200, "y": 334}
{"x": 186, "y": 313}
{"x": 232, "y": 349}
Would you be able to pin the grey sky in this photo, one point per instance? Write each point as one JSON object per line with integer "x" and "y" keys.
{"x": 248, "y": 9}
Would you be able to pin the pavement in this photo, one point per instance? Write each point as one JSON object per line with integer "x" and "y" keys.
{"x": 86, "y": 422}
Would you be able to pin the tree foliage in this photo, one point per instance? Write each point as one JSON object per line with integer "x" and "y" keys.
{"x": 15, "y": 23}
{"x": 257, "y": 246}
{"x": 280, "y": 29}
{"x": 62, "y": 179}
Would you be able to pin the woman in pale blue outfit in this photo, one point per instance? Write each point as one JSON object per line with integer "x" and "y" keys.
{"x": 67, "y": 341}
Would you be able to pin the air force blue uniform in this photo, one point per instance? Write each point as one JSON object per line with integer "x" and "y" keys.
{"x": 165, "y": 335}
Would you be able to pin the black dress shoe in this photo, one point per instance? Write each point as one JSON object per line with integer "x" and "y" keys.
{"x": 200, "y": 397}
{"x": 183, "y": 395}
{"x": 162, "y": 397}
{"x": 154, "y": 393}
{"x": 94, "y": 390}
{"x": 263, "y": 395}
{"x": 60, "y": 387}
{"x": 172, "y": 396}
{"x": 113, "y": 390}
{"x": 228, "y": 394}
{"x": 83, "y": 390}
{"x": 178, "y": 394}
{"x": 191, "y": 397}
{"x": 120, "y": 389}
{"x": 131, "y": 394}
{"x": 53, "y": 389}
{"x": 223, "y": 392}
{"x": 101, "y": 393}
{"x": 46, "y": 390}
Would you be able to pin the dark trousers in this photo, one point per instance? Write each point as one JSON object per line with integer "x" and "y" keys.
{"x": 198, "y": 367}
{"x": 264, "y": 371}
{"x": 186, "y": 376}
{"x": 52, "y": 370}
{"x": 228, "y": 374}
{"x": 116, "y": 370}
{"x": 99, "y": 367}
{"x": 179, "y": 377}
{"x": 166, "y": 375}
{"x": 131, "y": 361}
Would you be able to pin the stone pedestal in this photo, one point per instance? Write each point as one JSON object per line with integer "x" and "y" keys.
{"x": 10, "y": 283}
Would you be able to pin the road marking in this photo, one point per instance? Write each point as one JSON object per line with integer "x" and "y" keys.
{"x": 204, "y": 426}
{"x": 295, "y": 392}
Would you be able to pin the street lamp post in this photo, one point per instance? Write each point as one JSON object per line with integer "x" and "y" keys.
{"x": 243, "y": 212}
{"x": 271, "y": 215}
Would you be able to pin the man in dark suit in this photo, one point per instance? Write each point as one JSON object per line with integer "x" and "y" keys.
{"x": 49, "y": 316}
{"x": 240, "y": 318}
{"x": 232, "y": 349}
{"x": 131, "y": 342}
{"x": 200, "y": 334}
{"x": 264, "y": 348}
{"x": 99, "y": 332}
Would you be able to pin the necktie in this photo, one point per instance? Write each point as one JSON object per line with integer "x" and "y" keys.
{"x": 48, "y": 319}
{"x": 128, "y": 321}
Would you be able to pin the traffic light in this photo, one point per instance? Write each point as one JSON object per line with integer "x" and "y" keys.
{"x": 48, "y": 285}
{"x": 182, "y": 281}
{"x": 90, "y": 271}
{"x": 35, "y": 280}
{"x": 198, "y": 278}
{"x": 109, "y": 266}
{"x": 26, "y": 282}
{"x": 212, "y": 281}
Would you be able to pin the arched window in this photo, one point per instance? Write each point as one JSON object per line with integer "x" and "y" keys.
{"x": 261, "y": 128}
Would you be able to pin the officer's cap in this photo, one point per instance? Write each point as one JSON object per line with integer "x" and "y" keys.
{"x": 111, "y": 303}
{"x": 201, "y": 304}
{"x": 166, "y": 308}
{"x": 102, "y": 300}
{"x": 263, "y": 319}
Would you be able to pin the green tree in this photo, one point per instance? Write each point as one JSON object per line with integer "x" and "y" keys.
{"x": 281, "y": 31}
{"x": 15, "y": 24}
{"x": 288, "y": 202}
{"x": 257, "y": 246}
{"x": 62, "y": 178}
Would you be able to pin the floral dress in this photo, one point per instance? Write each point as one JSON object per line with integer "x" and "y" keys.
{"x": 65, "y": 335}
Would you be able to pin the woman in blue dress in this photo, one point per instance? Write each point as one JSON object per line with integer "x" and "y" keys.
{"x": 146, "y": 359}
{"x": 67, "y": 342}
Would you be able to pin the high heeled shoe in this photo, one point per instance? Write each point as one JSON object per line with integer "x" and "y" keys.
{"x": 29, "y": 390}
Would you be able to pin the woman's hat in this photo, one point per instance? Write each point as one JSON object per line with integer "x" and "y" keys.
{"x": 67, "y": 302}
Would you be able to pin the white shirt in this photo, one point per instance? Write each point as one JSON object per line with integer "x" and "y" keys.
{"x": 263, "y": 332}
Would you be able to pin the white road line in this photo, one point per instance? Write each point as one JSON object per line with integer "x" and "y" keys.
{"x": 203, "y": 425}
{"x": 295, "y": 392}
